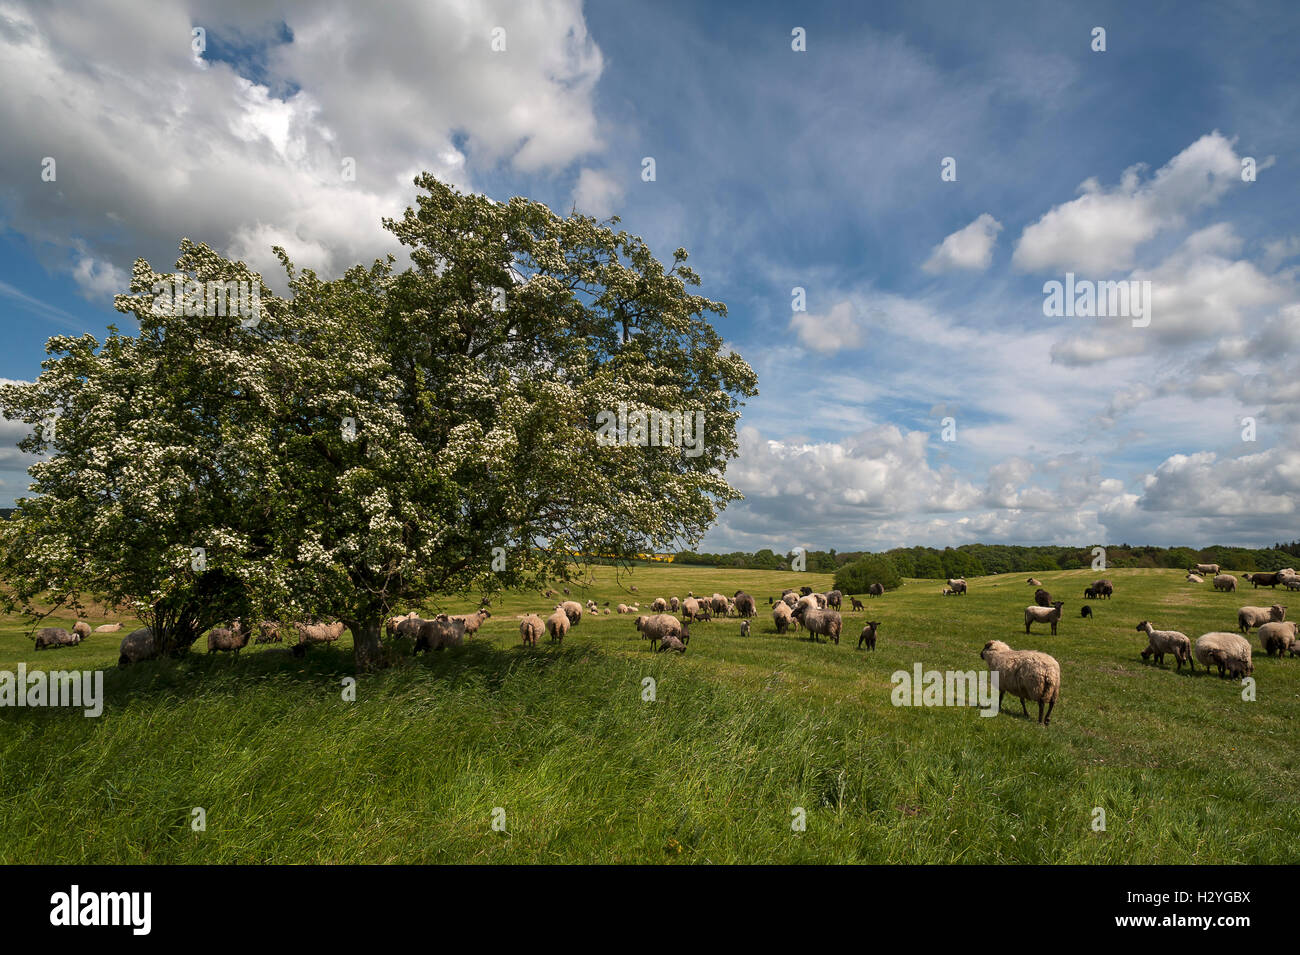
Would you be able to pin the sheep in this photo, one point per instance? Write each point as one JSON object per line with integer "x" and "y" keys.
{"x": 781, "y": 616}
{"x": 298, "y": 650}
{"x": 1085, "y": 611}
{"x": 857, "y": 604}
{"x": 1291, "y": 583}
{"x": 472, "y": 620}
{"x": 670, "y": 642}
{"x": 632, "y": 588}
{"x": 268, "y": 631}
{"x": 1090, "y": 593}
{"x": 718, "y": 604}
{"x": 1248, "y": 617}
{"x": 440, "y": 632}
{"x": 624, "y": 608}
{"x": 659, "y": 605}
{"x": 868, "y": 635}
{"x": 658, "y": 626}
{"x": 1264, "y": 580}
{"x": 816, "y": 621}
{"x": 410, "y": 626}
{"x": 1279, "y": 635}
{"x": 557, "y": 625}
{"x": 1050, "y": 615}
{"x": 1227, "y": 651}
{"x": 233, "y": 638}
{"x": 958, "y": 585}
{"x": 56, "y": 637}
{"x": 833, "y": 599}
{"x": 876, "y": 590}
{"x": 82, "y": 628}
{"x": 810, "y": 600}
{"x": 789, "y": 599}
{"x": 138, "y": 645}
{"x": 1194, "y": 579}
{"x": 948, "y": 592}
{"x": 744, "y": 628}
{"x": 1160, "y": 642}
{"x": 1204, "y": 569}
{"x": 674, "y": 604}
{"x": 319, "y": 632}
{"x": 1042, "y": 598}
{"x": 573, "y": 610}
{"x": 805, "y": 591}
{"x": 108, "y": 628}
{"x": 1034, "y": 582}
{"x": 1027, "y": 674}
{"x": 392, "y": 625}
{"x": 530, "y": 628}
{"x": 691, "y": 608}
{"x": 1103, "y": 588}
{"x": 745, "y": 605}
{"x": 1225, "y": 582}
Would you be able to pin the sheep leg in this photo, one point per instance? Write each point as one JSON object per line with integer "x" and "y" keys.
{"x": 1001, "y": 694}
{"x": 1048, "y": 718}
{"x": 1025, "y": 710}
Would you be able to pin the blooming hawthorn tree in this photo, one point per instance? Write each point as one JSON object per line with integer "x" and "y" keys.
{"x": 378, "y": 439}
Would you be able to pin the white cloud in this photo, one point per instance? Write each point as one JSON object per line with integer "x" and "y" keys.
{"x": 968, "y": 248}
{"x": 596, "y": 193}
{"x": 839, "y": 328}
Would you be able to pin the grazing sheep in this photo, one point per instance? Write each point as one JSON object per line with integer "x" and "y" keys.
{"x": 658, "y": 626}
{"x": 1028, "y": 674}
{"x": 691, "y": 609}
{"x": 857, "y": 604}
{"x": 440, "y": 632}
{"x": 1103, "y": 588}
{"x": 557, "y": 625}
{"x": 1050, "y": 615}
{"x": 674, "y": 604}
{"x": 958, "y": 585}
{"x": 1227, "y": 651}
{"x": 948, "y": 592}
{"x": 659, "y": 605}
{"x": 1204, "y": 569}
{"x": 876, "y": 590}
{"x": 1034, "y": 582}
{"x": 1090, "y": 593}
{"x": 1291, "y": 583}
{"x": 138, "y": 645}
{"x": 56, "y": 637}
{"x": 670, "y": 642}
{"x": 718, "y": 604}
{"x": 109, "y": 628}
{"x": 1248, "y": 617}
{"x": 472, "y": 620}
{"x": 531, "y": 628}
{"x": 624, "y": 608}
{"x": 789, "y": 599}
{"x": 868, "y": 635}
{"x": 1264, "y": 580}
{"x": 233, "y": 638}
{"x": 573, "y": 610}
{"x": 1225, "y": 582}
{"x": 817, "y": 622}
{"x": 268, "y": 631}
{"x": 632, "y": 588}
{"x": 82, "y": 628}
{"x": 745, "y": 605}
{"x": 744, "y": 628}
{"x": 1160, "y": 642}
{"x": 410, "y": 626}
{"x": 1042, "y": 597}
{"x": 319, "y": 632}
{"x": 1279, "y": 635}
{"x": 833, "y": 599}
{"x": 781, "y": 616}
{"x": 1085, "y": 611}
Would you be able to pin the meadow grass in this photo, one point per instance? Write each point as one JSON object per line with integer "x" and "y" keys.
{"x": 743, "y": 732}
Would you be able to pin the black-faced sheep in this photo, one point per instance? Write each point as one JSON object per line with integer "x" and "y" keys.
{"x": 1227, "y": 651}
{"x": 1160, "y": 642}
{"x": 818, "y": 622}
{"x": 1042, "y": 597}
{"x": 1248, "y": 617}
{"x": 1027, "y": 674}
{"x": 1034, "y": 582}
{"x": 868, "y": 635}
{"x": 1278, "y": 637}
{"x": 1050, "y": 615}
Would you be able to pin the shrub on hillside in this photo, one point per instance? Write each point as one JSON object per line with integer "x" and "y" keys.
{"x": 856, "y": 577}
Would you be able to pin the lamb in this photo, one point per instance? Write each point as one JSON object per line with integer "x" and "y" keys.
{"x": 1085, "y": 611}
{"x": 108, "y": 628}
{"x": 1050, "y": 615}
{"x": 659, "y": 605}
{"x": 948, "y": 592}
{"x": 744, "y": 628}
{"x": 1042, "y": 598}
{"x": 833, "y": 599}
{"x": 557, "y": 625}
{"x": 1225, "y": 582}
{"x": 472, "y": 620}
{"x": 1280, "y": 636}
{"x": 530, "y": 628}
{"x": 745, "y": 605}
{"x": 1160, "y": 642}
{"x": 1204, "y": 569}
{"x": 440, "y": 632}
{"x": 1028, "y": 674}
{"x": 1090, "y": 593}
{"x": 56, "y": 637}
{"x": 1291, "y": 583}
{"x": 573, "y": 610}
{"x": 816, "y": 621}
{"x": 658, "y": 626}
{"x": 868, "y": 635}
{"x": 805, "y": 591}
{"x": 781, "y": 616}
{"x": 233, "y": 638}
{"x": 138, "y": 645}
{"x": 1248, "y": 617}
{"x": 670, "y": 642}
{"x": 857, "y": 604}
{"x": 958, "y": 585}
{"x": 319, "y": 632}
{"x": 82, "y": 628}
{"x": 1227, "y": 651}
{"x": 1034, "y": 582}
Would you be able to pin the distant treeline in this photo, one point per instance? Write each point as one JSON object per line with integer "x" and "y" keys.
{"x": 978, "y": 560}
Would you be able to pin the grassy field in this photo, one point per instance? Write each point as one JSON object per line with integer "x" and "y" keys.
{"x": 742, "y": 733}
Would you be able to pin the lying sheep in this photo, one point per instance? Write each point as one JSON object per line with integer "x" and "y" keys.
{"x": 1225, "y": 582}
{"x": 819, "y": 622}
{"x": 1050, "y": 615}
{"x": 56, "y": 637}
{"x": 1034, "y": 582}
{"x": 1027, "y": 674}
{"x": 573, "y": 610}
{"x": 531, "y": 629}
{"x": 228, "y": 639}
{"x": 1195, "y": 579}
{"x": 1279, "y": 636}
{"x": 557, "y": 625}
{"x": 319, "y": 632}
{"x": 109, "y": 628}
{"x": 1248, "y": 617}
{"x": 781, "y": 616}
{"x": 868, "y": 635}
{"x": 1227, "y": 651}
{"x": 439, "y": 633}
{"x": 658, "y": 626}
{"x": 1042, "y": 598}
{"x": 1160, "y": 642}
{"x": 138, "y": 645}
{"x": 671, "y": 643}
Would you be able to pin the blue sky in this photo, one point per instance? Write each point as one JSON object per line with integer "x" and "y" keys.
{"x": 817, "y": 169}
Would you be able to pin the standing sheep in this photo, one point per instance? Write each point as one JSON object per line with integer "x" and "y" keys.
{"x": 233, "y": 638}
{"x": 1204, "y": 569}
{"x": 957, "y": 585}
{"x": 857, "y": 604}
{"x": 319, "y": 632}
{"x": 1227, "y": 651}
{"x": 1027, "y": 674}
{"x": 745, "y": 605}
{"x": 834, "y": 599}
{"x": 472, "y": 620}
{"x": 1160, "y": 642}
{"x": 674, "y": 604}
{"x": 781, "y": 616}
{"x": 440, "y": 632}
{"x": 136, "y": 646}
{"x": 1225, "y": 582}
{"x": 530, "y": 628}
{"x": 557, "y": 625}
{"x": 1103, "y": 588}
{"x": 1042, "y": 597}
{"x": 659, "y": 605}
{"x": 868, "y": 635}
{"x": 82, "y": 628}
{"x": 1278, "y": 636}
{"x": 573, "y": 610}
{"x": 268, "y": 631}
{"x": 1248, "y": 617}
{"x": 658, "y": 626}
{"x": 826, "y": 623}
{"x": 744, "y": 628}
{"x": 1050, "y": 615}
{"x": 876, "y": 590}
{"x": 718, "y": 604}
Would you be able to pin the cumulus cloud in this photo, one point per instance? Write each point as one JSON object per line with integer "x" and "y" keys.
{"x": 838, "y": 328}
{"x": 968, "y": 248}
{"x": 596, "y": 193}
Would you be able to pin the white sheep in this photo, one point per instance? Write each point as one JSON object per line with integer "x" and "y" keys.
{"x": 573, "y": 610}
{"x": 1050, "y": 615}
{"x": 1229, "y": 652}
{"x": 1248, "y": 617}
{"x": 781, "y": 616}
{"x": 1195, "y": 579}
{"x": 531, "y": 628}
{"x": 557, "y": 625}
{"x": 1027, "y": 674}
{"x": 319, "y": 632}
{"x": 1225, "y": 582}
{"x": 656, "y": 627}
{"x": 1160, "y": 642}
{"x": 1279, "y": 636}
{"x": 816, "y": 621}
{"x": 440, "y": 632}
{"x": 108, "y": 628}
{"x": 472, "y": 620}
{"x": 659, "y": 605}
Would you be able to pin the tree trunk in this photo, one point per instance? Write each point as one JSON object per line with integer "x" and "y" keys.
{"x": 367, "y": 647}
